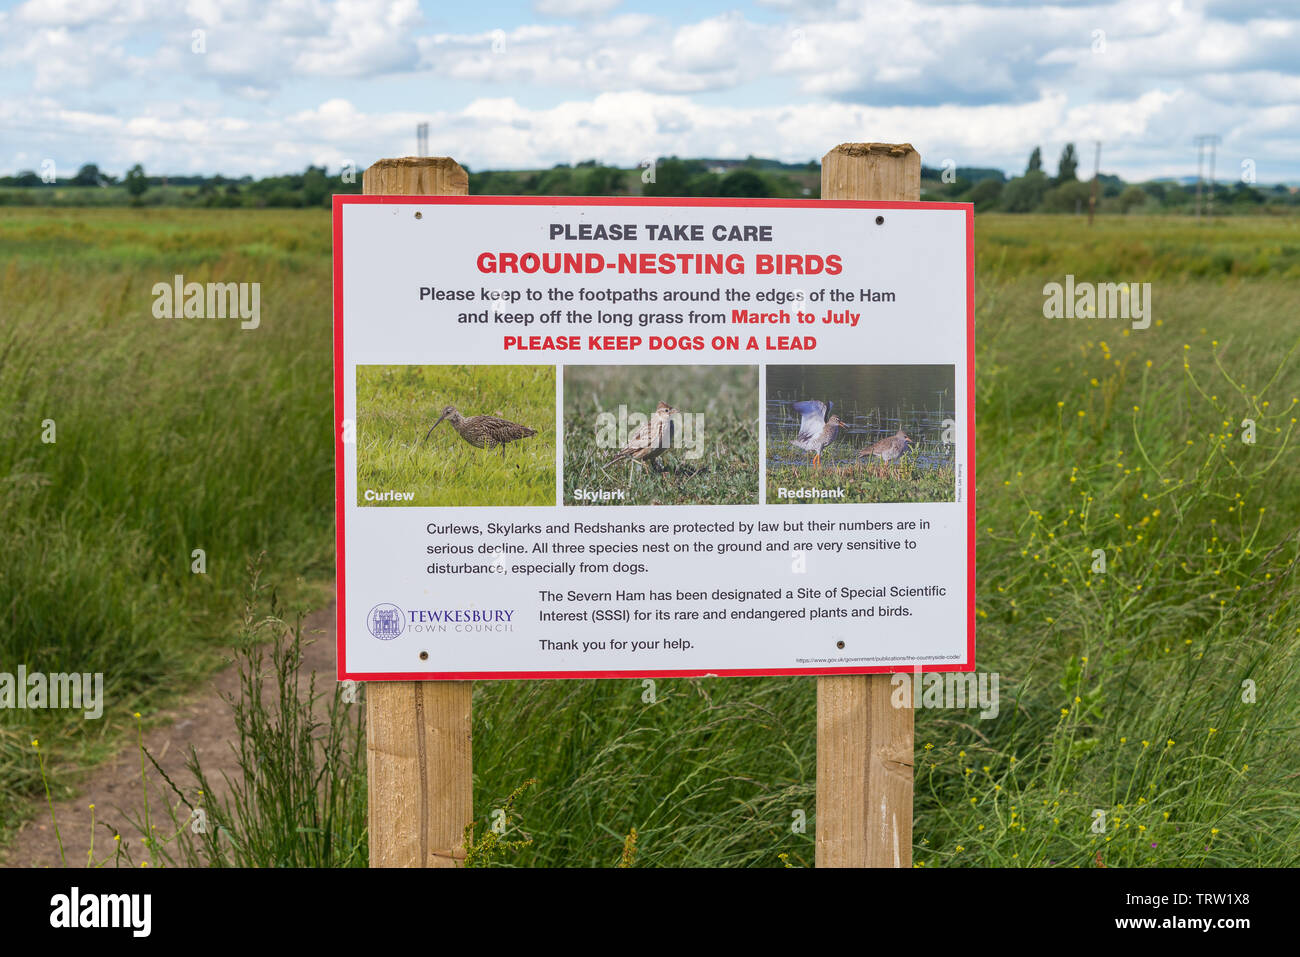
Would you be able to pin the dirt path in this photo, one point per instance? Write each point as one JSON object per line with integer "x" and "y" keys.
{"x": 204, "y": 721}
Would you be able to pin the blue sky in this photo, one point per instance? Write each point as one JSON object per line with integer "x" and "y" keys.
{"x": 269, "y": 87}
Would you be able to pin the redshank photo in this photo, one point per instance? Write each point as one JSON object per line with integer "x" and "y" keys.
{"x": 888, "y": 450}
{"x": 815, "y": 430}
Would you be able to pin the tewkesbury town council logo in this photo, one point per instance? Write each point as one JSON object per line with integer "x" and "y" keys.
{"x": 386, "y": 622}
{"x": 389, "y": 621}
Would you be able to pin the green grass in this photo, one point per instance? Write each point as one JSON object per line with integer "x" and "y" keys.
{"x": 184, "y": 432}
{"x": 716, "y": 465}
{"x": 397, "y": 405}
{"x": 171, "y": 436}
{"x": 1125, "y": 692}
{"x": 298, "y": 796}
{"x": 711, "y": 773}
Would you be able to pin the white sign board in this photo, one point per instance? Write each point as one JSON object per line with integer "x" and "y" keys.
{"x": 640, "y": 438}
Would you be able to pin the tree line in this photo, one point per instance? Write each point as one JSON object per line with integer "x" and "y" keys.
{"x": 989, "y": 189}
{"x": 1035, "y": 191}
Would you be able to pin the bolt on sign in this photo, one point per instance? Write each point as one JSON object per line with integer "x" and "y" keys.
{"x": 653, "y": 437}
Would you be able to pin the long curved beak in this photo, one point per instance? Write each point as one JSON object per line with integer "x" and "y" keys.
{"x": 432, "y": 427}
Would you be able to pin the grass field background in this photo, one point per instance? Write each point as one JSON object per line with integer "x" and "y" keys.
{"x": 1163, "y": 692}
{"x": 397, "y": 405}
{"x": 171, "y": 436}
{"x": 724, "y": 473}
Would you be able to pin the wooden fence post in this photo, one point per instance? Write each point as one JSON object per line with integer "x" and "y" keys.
{"x": 418, "y": 736}
{"x": 864, "y": 745}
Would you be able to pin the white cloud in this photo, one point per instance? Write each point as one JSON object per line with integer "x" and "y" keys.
{"x": 63, "y": 13}
{"x": 574, "y": 8}
{"x": 624, "y": 128}
{"x": 711, "y": 44}
{"x": 981, "y": 82}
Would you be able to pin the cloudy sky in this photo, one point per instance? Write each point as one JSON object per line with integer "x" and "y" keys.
{"x": 268, "y": 87}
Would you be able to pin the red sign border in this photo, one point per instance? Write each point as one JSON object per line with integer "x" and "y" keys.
{"x": 341, "y": 201}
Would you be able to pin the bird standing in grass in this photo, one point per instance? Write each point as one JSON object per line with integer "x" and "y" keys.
{"x": 815, "y": 430}
{"x": 483, "y": 431}
{"x": 889, "y": 449}
{"x": 652, "y": 439}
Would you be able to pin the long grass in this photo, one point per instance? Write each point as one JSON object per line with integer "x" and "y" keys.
{"x": 170, "y": 436}
{"x": 299, "y": 797}
{"x": 1150, "y": 703}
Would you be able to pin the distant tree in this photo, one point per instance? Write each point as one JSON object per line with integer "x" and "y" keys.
{"x": 27, "y": 177}
{"x": 315, "y": 187}
{"x": 985, "y": 193}
{"x": 492, "y": 183}
{"x": 136, "y": 182}
{"x": 1065, "y": 173}
{"x": 1176, "y": 195}
{"x": 1035, "y": 161}
{"x": 1024, "y": 193}
{"x": 557, "y": 181}
{"x": 674, "y": 177}
{"x": 1243, "y": 193}
{"x": 599, "y": 181}
{"x": 1071, "y": 197}
{"x": 283, "y": 198}
{"x": 743, "y": 182}
{"x": 1132, "y": 197}
{"x": 88, "y": 175}
{"x": 953, "y": 189}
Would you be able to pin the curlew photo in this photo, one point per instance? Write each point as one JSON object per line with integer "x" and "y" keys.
{"x": 455, "y": 435}
{"x": 860, "y": 434}
{"x": 661, "y": 435}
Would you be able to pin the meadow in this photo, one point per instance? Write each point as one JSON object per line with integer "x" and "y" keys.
{"x": 401, "y": 446}
{"x": 1136, "y": 558}
{"x": 177, "y": 445}
{"x": 715, "y": 461}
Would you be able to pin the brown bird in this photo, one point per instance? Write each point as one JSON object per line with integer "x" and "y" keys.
{"x": 483, "y": 431}
{"x": 889, "y": 449}
{"x": 651, "y": 440}
{"x": 815, "y": 430}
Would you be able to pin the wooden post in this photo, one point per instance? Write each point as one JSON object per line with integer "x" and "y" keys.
{"x": 864, "y": 745}
{"x": 418, "y": 740}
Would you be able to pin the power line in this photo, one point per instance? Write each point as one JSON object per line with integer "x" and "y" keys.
{"x": 1096, "y": 176}
{"x": 1210, "y": 140}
